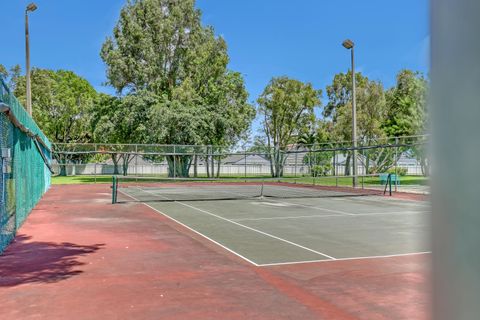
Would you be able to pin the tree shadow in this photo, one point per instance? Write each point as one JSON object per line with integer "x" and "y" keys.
{"x": 32, "y": 262}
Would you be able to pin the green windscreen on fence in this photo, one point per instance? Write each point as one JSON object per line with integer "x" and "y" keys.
{"x": 25, "y": 155}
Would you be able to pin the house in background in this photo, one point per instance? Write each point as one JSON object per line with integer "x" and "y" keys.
{"x": 249, "y": 159}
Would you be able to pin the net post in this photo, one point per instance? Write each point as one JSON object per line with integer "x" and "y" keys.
{"x": 390, "y": 184}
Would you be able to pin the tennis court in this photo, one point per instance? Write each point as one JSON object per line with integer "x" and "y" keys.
{"x": 290, "y": 223}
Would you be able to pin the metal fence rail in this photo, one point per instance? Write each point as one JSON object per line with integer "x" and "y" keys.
{"x": 398, "y": 155}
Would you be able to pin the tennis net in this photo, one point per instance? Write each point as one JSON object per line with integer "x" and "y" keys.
{"x": 150, "y": 189}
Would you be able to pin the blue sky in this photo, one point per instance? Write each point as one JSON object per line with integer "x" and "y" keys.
{"x": 301, "y": 39}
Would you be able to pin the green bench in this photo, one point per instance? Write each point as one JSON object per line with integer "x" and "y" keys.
{"x": 395, "y": 179}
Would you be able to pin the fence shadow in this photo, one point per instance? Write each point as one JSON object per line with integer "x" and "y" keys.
{"x": 41, "y": 262}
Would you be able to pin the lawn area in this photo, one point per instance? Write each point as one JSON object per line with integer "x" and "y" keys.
{"x": 81, "y": 179}
{"x": 327, "y": 181}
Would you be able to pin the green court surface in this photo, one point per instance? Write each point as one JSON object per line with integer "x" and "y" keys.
{"x": 271, "y": 231}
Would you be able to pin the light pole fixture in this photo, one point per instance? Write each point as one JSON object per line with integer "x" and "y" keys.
{"x": 349, "y": 45}
{"x": 30, "y": 8}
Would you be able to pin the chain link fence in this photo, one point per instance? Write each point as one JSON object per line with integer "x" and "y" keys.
{"x": 403, "y": 156}
{"x": 25, "y": 165}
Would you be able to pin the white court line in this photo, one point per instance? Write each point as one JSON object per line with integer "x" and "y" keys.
{"x": 191, "y": 229}
{"x": 388, "y": 200}
{"x": 252, "y": 229}
{"x": 345, "y": 259}
{"x": 269, "y": 264}
{"x": 297, "y": 204}
{"x": 332, "y": 215}
{"x": 345, "y": 213}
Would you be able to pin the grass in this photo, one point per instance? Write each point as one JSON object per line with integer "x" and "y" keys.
{"x": 328, "y": 181}
{"x": 81, "y": 179}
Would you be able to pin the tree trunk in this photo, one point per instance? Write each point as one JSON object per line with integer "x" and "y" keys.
{"x": 367, "y": 163}
{"x": 195, "y": 166}
{"x": 272, "y": 163}
{"x": 424, "y": 166}
{"x": 212, "y": 160}
{"x": 179, "y": 166}
{"x": 207, "y": 165}
{"x": 63, "y": 166}
{"x": 218, "y": 166}
{"x": 115, "y": 163}
{"x": 347, "y": 165}
{"x": 126, "y": 161}
{"x": 334, "y": 168}
{"x": 277, "y": 165}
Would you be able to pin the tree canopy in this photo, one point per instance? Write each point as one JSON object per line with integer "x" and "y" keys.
{"x": 371, "y": 109}
{"x": 173, "y": 86}
{"x": 61, "y": 103}
{"x": 160, "y": 48}
{"x": 287, "y": 107}
{"x": 407, "y": 105}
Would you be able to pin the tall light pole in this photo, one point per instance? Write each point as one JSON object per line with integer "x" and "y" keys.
{"x": 348, "y": 44}
{"x": 30, "y": 8}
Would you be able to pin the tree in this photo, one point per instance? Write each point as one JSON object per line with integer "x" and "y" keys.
{"x": 407, "y": 105}
{"x": 407, "y": 111}
{"x": 287, "y": 107}
{"x": 61, "y": 101}
{"x": 371, "y": 108}
{"x": 179, "y": 122}
{"x": 120, "y": 121}
{"x": 3, "y": 71}
{"x": 371, "y": 112}
{"x": 314, "y": 139}
{"x": 153, "y": 45}
{"x": 11, "y": 76}
{"x": 229, "y": 115}
{"x": 160, "y": 46}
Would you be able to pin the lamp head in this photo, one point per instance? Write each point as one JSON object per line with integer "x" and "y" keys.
{"x": 348, "y": 44}
{"x": 31, "y": 7}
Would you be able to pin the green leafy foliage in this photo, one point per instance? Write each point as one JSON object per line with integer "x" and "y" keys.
{"x": 161, "y": 47}
{"x": 287, "y": 107}
{"x": 407, "y": 105}
{"x": 371, "y": 107}
{"x": 321, "y": 170}
{"x": 399, "y": 171}
{"x": 61, "y": 103}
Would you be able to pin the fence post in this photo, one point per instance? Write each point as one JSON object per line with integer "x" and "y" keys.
{"x": 296, "y": 157}
{"x": 336, "y": 169}
{"x": 174, "y": 163}
{"x": 136, "y": 162}
{"x": 95, "y": 165}
{"x": 396, "y": 163}
{"x": 245, "y": 161}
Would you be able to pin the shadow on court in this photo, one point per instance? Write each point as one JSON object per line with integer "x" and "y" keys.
{"x": 27, "y": 261}
{"x": 79, "y": 257}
